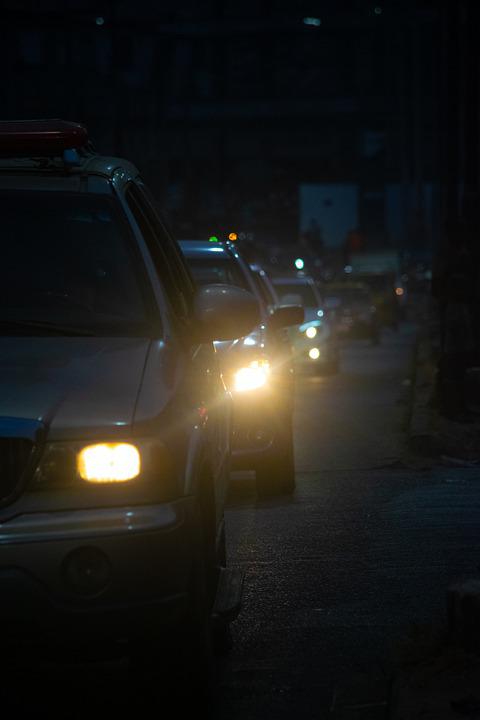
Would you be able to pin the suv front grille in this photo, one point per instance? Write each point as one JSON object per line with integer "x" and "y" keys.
{"x": 14, "y": 456}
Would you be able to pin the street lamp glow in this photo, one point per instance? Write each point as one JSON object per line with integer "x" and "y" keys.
{"x": 299, "y": 263}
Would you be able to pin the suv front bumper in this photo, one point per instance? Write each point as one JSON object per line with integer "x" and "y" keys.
{"x": 111, "y": 571}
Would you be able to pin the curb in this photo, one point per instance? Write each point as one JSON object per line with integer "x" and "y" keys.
{"x": 441, "y": 684}
{"x": 422, "y": 438}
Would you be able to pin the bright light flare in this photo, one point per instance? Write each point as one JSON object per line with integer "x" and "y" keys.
{"x": 311, "y": 332}
{"x": 314, "y": 354}
{"x": 108, "y": 462}
{"x": 399, "y": 291}
{"x": 252, "y": 377}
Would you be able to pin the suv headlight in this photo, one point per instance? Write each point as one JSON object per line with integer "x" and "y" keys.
{"x": 251, "y": 377}
{"x": 109, "y": 462}
{"x": 80, "y": 464}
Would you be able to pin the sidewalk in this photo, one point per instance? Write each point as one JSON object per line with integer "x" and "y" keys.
{"x": 430, "y": 435}
{"x": 434, "y": 678}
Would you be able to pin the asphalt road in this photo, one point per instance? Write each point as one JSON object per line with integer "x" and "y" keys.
{"x": 337, "y": 575}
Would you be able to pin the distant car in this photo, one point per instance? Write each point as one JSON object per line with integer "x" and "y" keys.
{"x": 314, "y": 341}
{"x": 258, "y": 370}
{"x": 387, "y": 295}
{"x": 356, "y": 313}
{"x": 114, "y": 418}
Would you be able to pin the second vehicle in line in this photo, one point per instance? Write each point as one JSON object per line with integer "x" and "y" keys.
{"x": 258, "y": 369}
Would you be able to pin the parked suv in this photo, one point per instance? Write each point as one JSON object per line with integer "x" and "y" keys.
{"x": 258, "y": 369}
{"x": 114, "y": 417}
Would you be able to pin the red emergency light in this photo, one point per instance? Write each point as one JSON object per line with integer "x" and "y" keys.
{"x": 40, "y": 138}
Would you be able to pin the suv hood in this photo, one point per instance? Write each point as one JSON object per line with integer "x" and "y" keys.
{"x": 75, "y": 386}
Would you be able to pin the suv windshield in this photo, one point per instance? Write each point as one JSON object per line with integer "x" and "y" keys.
{"x": 213, "y": 270}
{"x": 68, "y": 264}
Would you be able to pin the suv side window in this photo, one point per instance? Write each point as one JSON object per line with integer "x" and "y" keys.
{"x": 164, "y": 252}
{"x": 178, "y": 261}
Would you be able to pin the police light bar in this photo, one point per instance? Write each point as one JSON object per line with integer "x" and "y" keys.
{"x": 40, "y": 138}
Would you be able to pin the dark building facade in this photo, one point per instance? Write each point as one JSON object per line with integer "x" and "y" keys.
{"x": 456, "y": 285}
{"x": 230, "y": 107}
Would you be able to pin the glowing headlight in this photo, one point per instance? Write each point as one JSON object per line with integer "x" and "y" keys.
{"x": 311, "y": 332}
{"x": 108, "y": 462}
{"x": 252, "y": 377}
{"x": 314, "y": 353}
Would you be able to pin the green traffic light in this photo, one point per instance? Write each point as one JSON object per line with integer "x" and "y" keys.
{"x": 299, "y": 263}
{"x": 213, "y": 238}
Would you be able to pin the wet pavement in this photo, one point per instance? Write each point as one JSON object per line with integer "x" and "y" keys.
{"x": 366, "y": 547}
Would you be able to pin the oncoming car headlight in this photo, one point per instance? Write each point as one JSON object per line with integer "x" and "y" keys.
{"x": 109, "y": 462}
{"x": 252, "y": 377}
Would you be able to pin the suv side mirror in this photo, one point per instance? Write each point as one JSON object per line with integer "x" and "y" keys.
{"x": 285, "y": 315}
{"x": 224, "y": 312}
